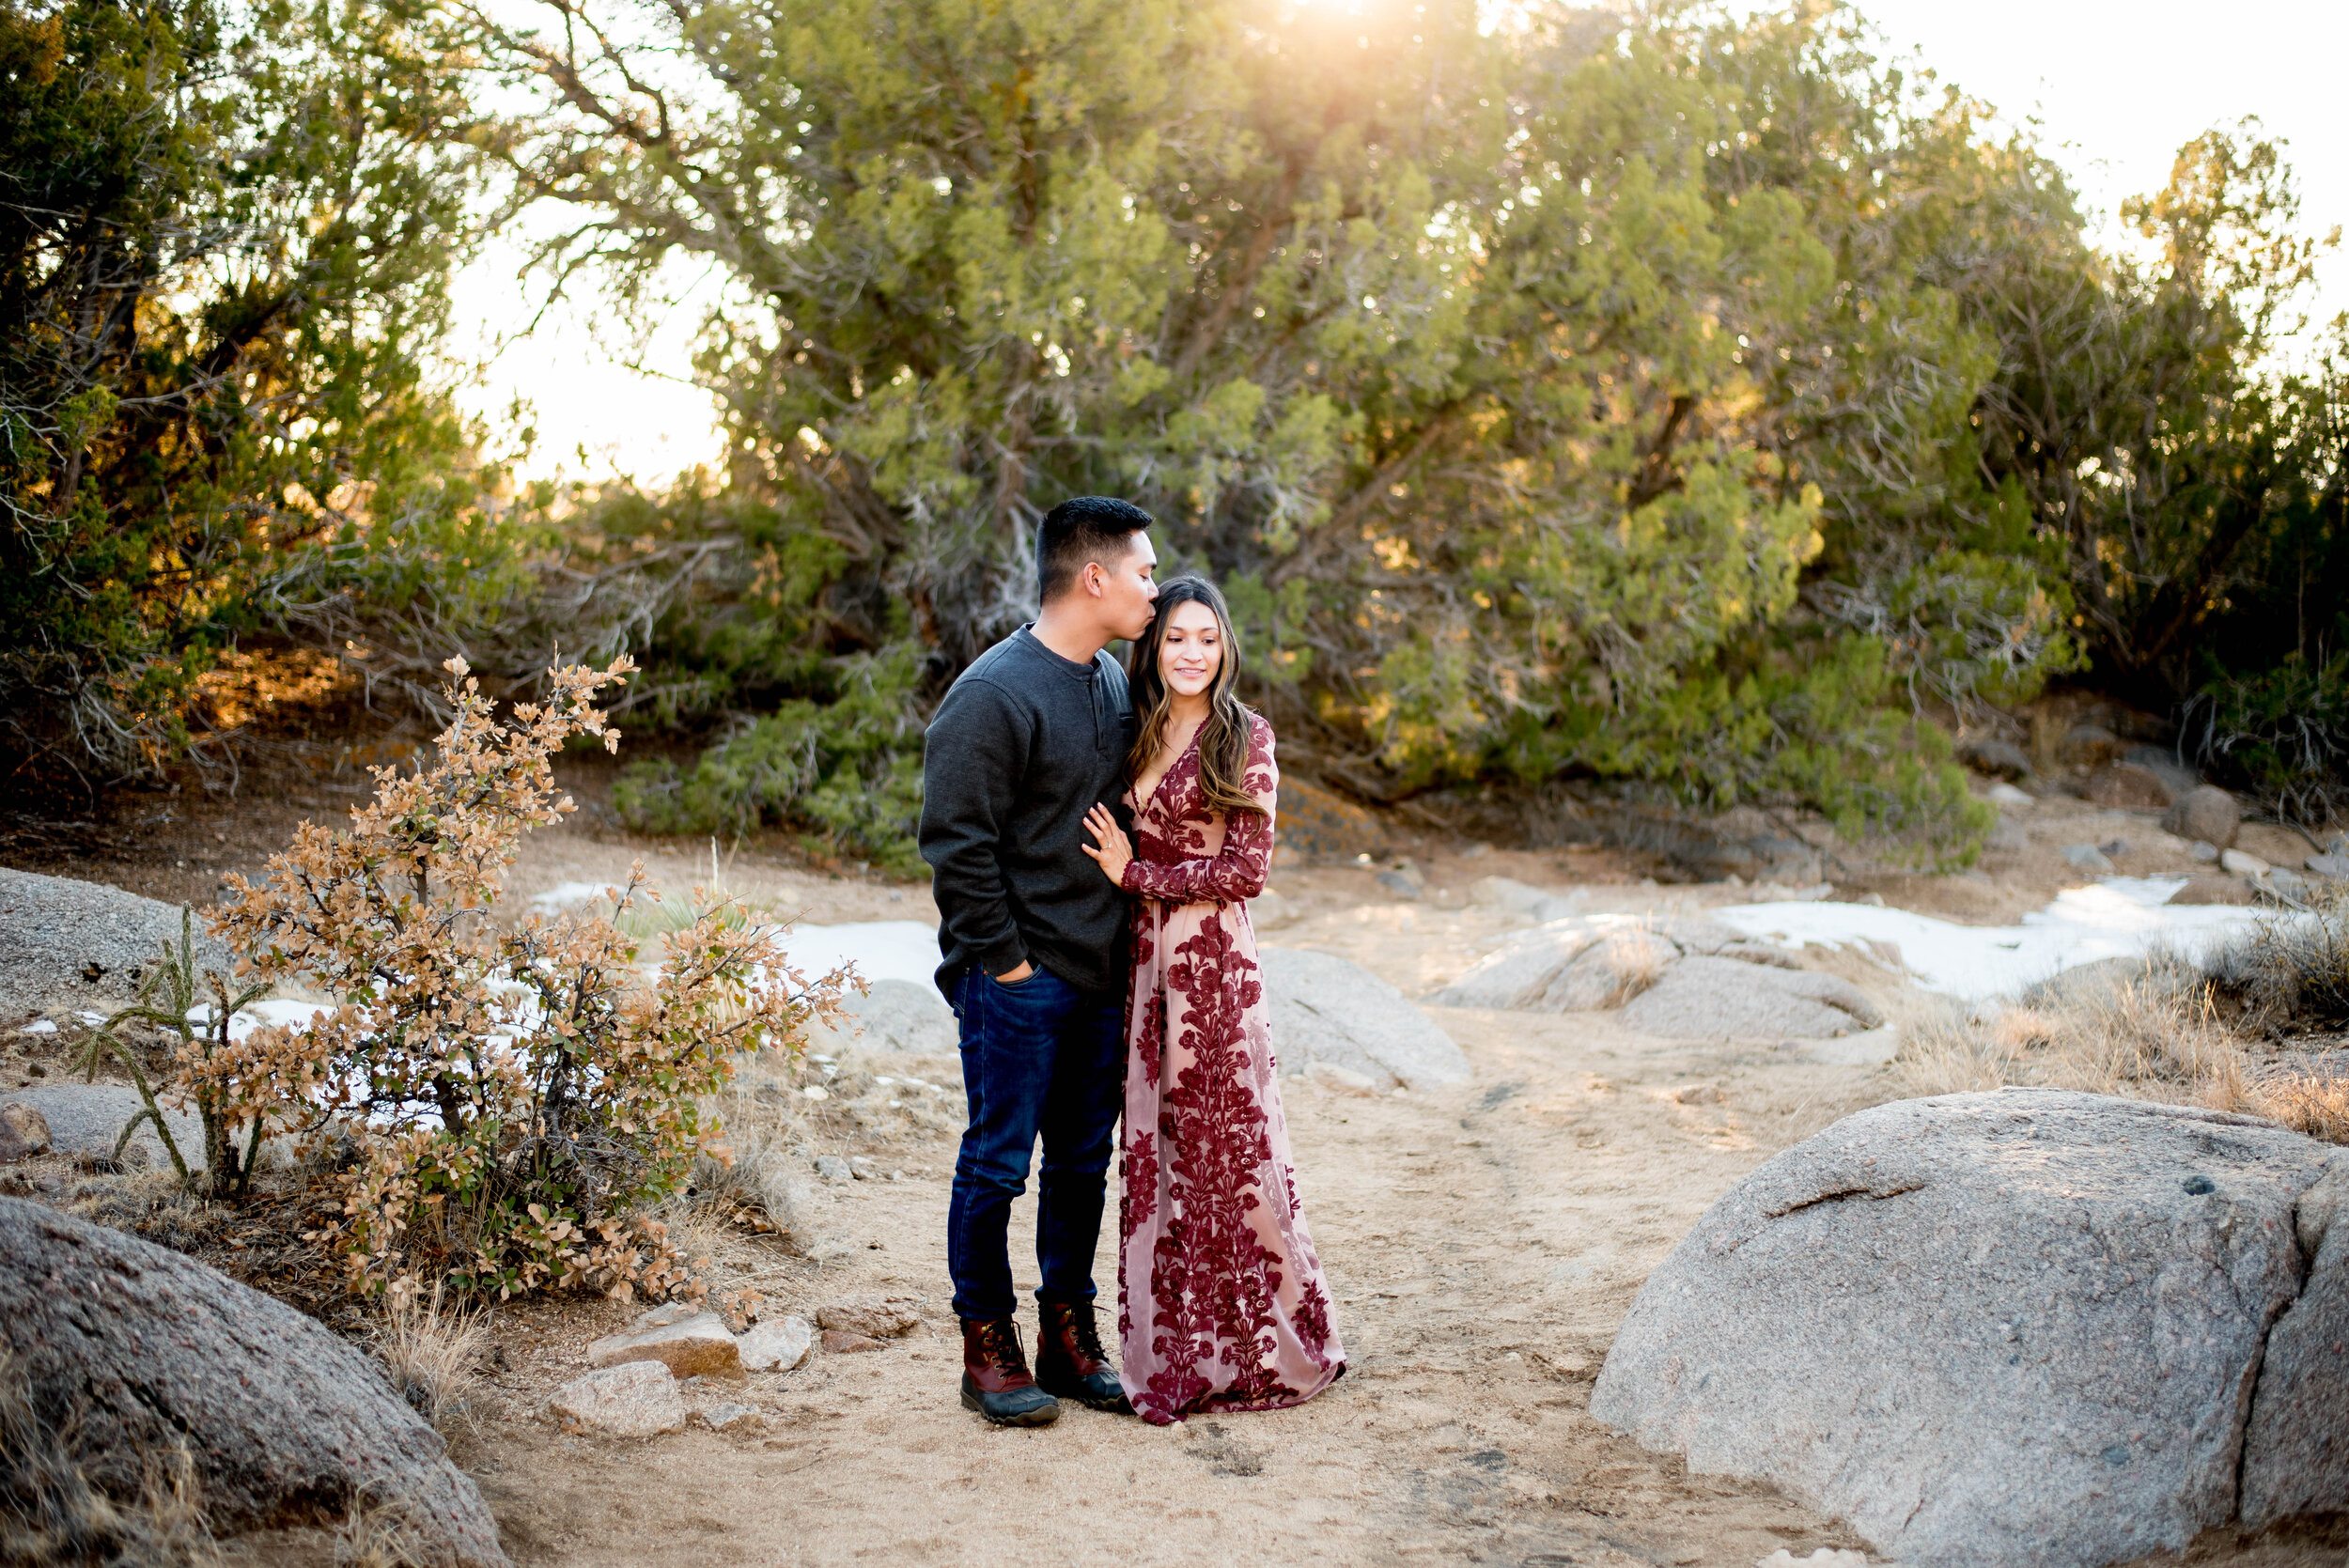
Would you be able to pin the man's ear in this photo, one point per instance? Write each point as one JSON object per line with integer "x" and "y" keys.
{"x": 1094, "y": 578}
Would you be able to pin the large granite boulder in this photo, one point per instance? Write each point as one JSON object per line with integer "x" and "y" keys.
{"x": 1727, "y": 999}
{"x": 1325, "y": 1009}
{"x": 2012, "y": 1330}
{"x": 135, "y": 1353}
{"x": 65, "y": 943}
{"x": 895, "y": 1016}
{"x": 1551, "y": 968}
{"x": 89, "y": 1119}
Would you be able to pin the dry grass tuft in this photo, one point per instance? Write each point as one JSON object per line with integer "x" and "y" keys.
{"x": 761, "y": 1189}
{"x": 2293, "y": 970}
{"x": 2318, "y": 1106}
{"x": 376, "y": 1536}
{"x": 50, "y": 1513}
{"x": 2153, "y": 1035}
{"x": 430, "y": 1345}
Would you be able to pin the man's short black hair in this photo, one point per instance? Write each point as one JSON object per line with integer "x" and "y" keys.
{"x": 1085, "y": 528}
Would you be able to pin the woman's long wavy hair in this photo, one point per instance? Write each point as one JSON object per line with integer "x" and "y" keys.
{"x": 1223, "y": 734}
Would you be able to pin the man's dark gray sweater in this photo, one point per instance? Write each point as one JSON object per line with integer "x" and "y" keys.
{"x": 1024, "y": 746}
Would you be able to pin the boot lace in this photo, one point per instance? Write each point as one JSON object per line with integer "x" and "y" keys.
{"x": 999, "y": 1342}
{"x": 1085, "y": 1331}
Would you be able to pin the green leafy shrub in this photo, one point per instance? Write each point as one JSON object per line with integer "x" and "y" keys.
{"x": 848, "y": 771}
{"x": 2280, "y": 734}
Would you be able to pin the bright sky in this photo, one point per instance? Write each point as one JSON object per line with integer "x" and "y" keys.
{"x": 2118, "y": 85}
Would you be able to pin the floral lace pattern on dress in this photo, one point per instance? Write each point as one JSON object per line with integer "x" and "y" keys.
{"x": 1222, "y": 1304}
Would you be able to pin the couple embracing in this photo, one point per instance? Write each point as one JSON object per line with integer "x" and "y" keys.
{"x": 1095, "y": 973}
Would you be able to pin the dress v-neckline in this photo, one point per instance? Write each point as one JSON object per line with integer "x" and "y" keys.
{"x": 1172, "y": 768}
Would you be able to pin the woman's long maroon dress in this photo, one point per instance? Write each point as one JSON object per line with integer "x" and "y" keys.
{"x": 1222, "y": 1305}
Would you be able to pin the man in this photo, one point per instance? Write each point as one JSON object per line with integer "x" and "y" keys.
{"x": 1032, "y": 735}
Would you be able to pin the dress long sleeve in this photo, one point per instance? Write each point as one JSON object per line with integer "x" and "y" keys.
{"x": 1221, "y": 1302}
{"x": 1241, "y": 867}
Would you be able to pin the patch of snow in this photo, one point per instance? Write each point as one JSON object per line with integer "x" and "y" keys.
{"x": 38, "y": 1026}
{"x": 880, "y": 949}
{"x": 259, "y": 1015}
{"x": 2119, "y": 917}
{"x": 569, "y": 896}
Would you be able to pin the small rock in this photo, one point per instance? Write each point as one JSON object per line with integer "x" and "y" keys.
{"x": 1405, "y": 880}
{"x": 731, "y": 1417}
{"x": 700, "y": 1345}
{"x": 870, "y": 1315}
{"x": 2242, "y": 862}
{"x": 2007, "y": 795}
{"x": 779, "y": 1345}
{"x": 2009, "y": 836}
{"x": 2202, "y": 852}
{"x": 839, "y": 1342}
{"x": 2205, "y": 813}
{"x": 1346, "y": 1081}
{"x": 2000, "y": 759}
{"x": 2209, "y": 889}
{"x": 2333, "y": 868}
{"x": 2286, "y": 884}
{"x": 2128, "y": 786}
{"x": 1697, "y": 1094}
{"x": 635, "y": 1399}
{"x": 832, "y": 1168}
{"x": 863, "y": 1168}
{"x": 2087, "y": 856}
{"x": 23, "y": 1133}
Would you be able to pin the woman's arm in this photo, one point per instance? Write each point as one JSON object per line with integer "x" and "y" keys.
{"x": 1240, "y": 868}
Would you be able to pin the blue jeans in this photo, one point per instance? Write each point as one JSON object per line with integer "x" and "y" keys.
{"x": 1038, "y": 1057}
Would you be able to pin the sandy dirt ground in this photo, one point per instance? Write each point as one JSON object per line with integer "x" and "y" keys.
{"x": 1482, "y": 1241}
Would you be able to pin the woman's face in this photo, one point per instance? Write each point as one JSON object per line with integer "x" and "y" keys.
{"x": 1192, "y": 649}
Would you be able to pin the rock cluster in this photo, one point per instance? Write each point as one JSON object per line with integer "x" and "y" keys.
{"x": 2026, "y": 1328}
{"x": 137, "y": 1353}
{"x": 1690, "y": 978}
{"x": 641, "y": 1377}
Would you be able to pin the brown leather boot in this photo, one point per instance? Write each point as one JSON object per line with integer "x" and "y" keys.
{"x": 1069, "y": 1361}
{"x": 995, "y": 1377}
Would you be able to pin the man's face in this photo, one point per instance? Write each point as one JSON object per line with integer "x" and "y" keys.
{"x": 1130, "y": 588}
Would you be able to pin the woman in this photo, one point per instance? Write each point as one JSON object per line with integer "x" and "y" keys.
{"x": 1222, "y": 1305}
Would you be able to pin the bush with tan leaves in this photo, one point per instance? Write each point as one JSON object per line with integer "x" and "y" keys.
{"x": 522, "y": 1095}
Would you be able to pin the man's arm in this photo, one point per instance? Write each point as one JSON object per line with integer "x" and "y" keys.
{"x": 975, "y": 754}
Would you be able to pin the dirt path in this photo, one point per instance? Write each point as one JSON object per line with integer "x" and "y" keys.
{"x": 1483, "y": 1242}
